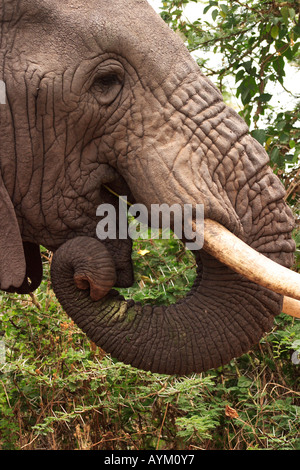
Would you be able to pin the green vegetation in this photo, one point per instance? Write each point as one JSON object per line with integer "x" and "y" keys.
{"x": 59, "y": 391}
{"x": 259, "y": 45}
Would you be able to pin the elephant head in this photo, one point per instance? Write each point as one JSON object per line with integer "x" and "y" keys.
{"x": 103, "y": 98}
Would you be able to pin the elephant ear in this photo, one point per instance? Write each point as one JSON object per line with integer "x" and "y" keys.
{"x": 20, "y": 263}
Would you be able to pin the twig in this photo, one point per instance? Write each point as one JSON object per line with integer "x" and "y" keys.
{"x": 35, "y": 301}
{"x": 293, "y": 185}
{"x": 7, "y": 397}
{"x": 162, "y": 424}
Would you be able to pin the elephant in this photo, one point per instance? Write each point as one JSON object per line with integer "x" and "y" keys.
{"x": 103, "y": 99}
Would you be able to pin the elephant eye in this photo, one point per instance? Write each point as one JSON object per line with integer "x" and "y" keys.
{"x": 108, "y": 83}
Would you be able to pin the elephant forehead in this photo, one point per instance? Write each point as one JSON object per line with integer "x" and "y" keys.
{"x": 130, "y": 28}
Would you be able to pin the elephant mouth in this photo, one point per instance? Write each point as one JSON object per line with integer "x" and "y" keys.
{"x": 237, "y": 255}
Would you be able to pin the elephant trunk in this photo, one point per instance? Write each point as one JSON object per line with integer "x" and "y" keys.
{"x": 204, "y": 330}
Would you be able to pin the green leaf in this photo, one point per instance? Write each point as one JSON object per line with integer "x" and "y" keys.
{"x": 292, "y": 13}
{"x": 275, "y": 155}
{"x": 274, "y": 31}
{"x": 285, "y": 15}
{"x": 283, "y": 137}
{"x": 224, "y": 8}
{"x": 260, "y": 135}
{"x": 265, "y": 97}
{"x": 292, "y": 144}
{"x": 281, "y": 125}
{"x": 243, "y": 382}
{"x": 296, "y": 30}
{"x": 268, "y": 27}
{"x": 211, "y": 4}
{"x": 239, "y": 75}
{"x": 214, "y": 14}
{"x": 247, "y": 65}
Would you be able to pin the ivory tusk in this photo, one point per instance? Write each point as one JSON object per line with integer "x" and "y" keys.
{"x": 236, "y": 254}
{"x": 291, "y": 307}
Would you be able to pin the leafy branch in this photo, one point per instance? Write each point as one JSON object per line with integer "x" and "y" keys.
{"x": 258, "y": 41}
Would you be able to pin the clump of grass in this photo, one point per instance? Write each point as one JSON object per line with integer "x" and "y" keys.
{"x": 59, "y": 391}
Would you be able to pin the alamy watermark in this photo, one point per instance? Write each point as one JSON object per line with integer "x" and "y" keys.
{"x": 2, "y": 352}
{"x": 160, "y": 222}
{"x": 2, "y": 92}
{"x": 296, "y": 357}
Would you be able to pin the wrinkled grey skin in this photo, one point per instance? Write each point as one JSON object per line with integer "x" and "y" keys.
{"x": 103, "y": 93}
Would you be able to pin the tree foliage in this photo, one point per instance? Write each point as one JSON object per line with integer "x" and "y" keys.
{"x": 259, "y": 43}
